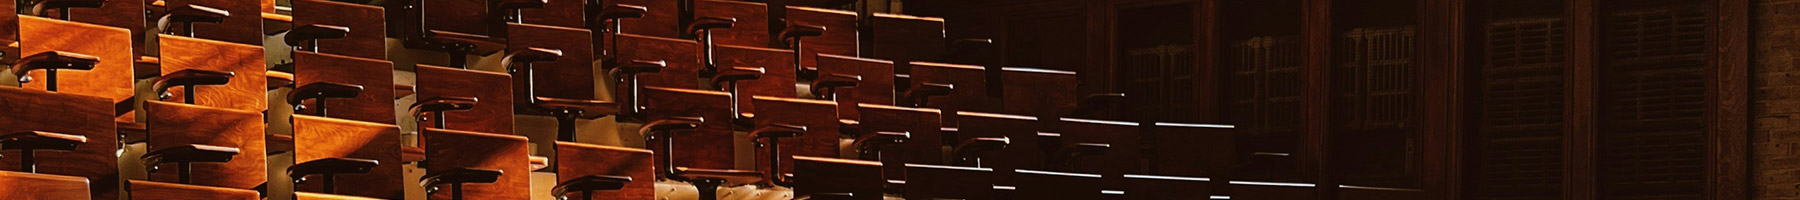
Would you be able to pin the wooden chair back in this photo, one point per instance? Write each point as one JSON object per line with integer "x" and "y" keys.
{"x": 925, "y": 181}
{"x": 570, "y": 76}
{"x": 839, "y": 38}
{"x": 245, "y": 28}
{"x": 175, "y": 124}
{"x": 152, "y": 190}
{"x": 367, "y": 23}
{"x": 820, "y": 119}
{"x": 1039, "y": 92}
{"x": 374, "y": 104}
{"x": 320, "y": 138}
{"x": 30, "y": 186}
{"x": 751, "y": 28}
{"x": 32, "y": 110}
{"x": 877, "y": 86}
{"x": 450, "y": 149}
{"x": 710, "y": 146}
{"x": 493, "y": 114}
{"x": 248, "y": 89}
{"x": 815, "y": 175}
{"x": 111, "y": 78}
{"x": 574, "y": 160}
{"x": 971, "y": 92}
{"x": 682, "y": 59}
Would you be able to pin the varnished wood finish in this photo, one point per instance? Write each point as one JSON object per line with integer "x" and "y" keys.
{"x": 461, "y": 16}
{"x": 244, "y": 26}
{"x": 814, "y": 175}
{"x": 947, "y": 182}
{"x": 449, "y": 149}
{"x": 175, "y": 124}
{"x": 575, "y": 160}
{"x": 708, "y": 147}
{"x": 774, "y": 82}
{"x": 29, "y": 186}
{"x": 152, "y": 190}
{"x": 839, "y": 38}
{"x": 1123, "y": 157}
{"x": 1056, "y": 185}
{"x": 9, "y": 31}
{"x": 1023, "y": 151}
{"x": 751, "y": 28}
{"x": 1039, "y": 92}
{"x": 662, "y": 18}
{"x": 925, "y": 145}
{"x": 971, "y": 91}
{"x": 32, "y": 110}
{"x": 111, "y": 78}
{"x": 109, "y": 15}
{"x": 903, "y": 38}
{"x": 366, "y": 22}
{"x": 570, "y": 76}
{"x": 682, "y": 59}
{"x": 374, "y": 104}
{"x": 563, "y": 13}
{"x": 1151, "y": 187}
{"x": 319, "y": 138}
{"x": 819, "y": 140}
{"x": 1729, "y": 173}
{"x": 877, "y": 86}
{"x": 494, "y": 112}
{"x": 248, "y": 87}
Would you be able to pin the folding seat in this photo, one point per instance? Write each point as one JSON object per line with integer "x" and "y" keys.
{"x": 925, "y": 181}
{"x": 772, "y": 82}
{"x": 1157, "y": 187}
{"x": 367, "y": 24}
{"x": 950, "y": 88}
{"x": 836, "y": 35}
{"x": 210, "y": 146}
{"x": 492, "y": 115}
{"x": 1108, "y": 148}
{"x": 242, "y": 25}
{"x": 825, "y": 178}
{"x": 1038, "y": 92}
{"x": 819, "y": 139}
{"x": 30, "y": 186}
{"x": 475, "y": 165}
{"x": 603, "y": 172}
{"x": 999, "y": 141}
{"x": 313, "y": 67}
{"x": 50, "y": 40}
{"x": 924, "y": 144}
{"x": 750, "y": 26}
{"x": 68, "y": 135}
{"x": 1033, "y": 184}
{"x": 181, "y": 56}
{"x": 870, "y": 81}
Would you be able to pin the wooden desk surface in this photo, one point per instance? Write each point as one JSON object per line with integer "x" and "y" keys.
{"x": 319, "y": 138}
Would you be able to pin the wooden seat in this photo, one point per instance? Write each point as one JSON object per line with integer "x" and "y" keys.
{"x": 971, "y": 92}
{"x": 821, "y": 175}
{"x": 89, "y": 116}
{"x": 924, "y": 145}
{"x": 1038, "y": 92}
{"x": 111, "y": 78}
{"x": 1121, "y": 156}
{"x": 1033, "y": 184}
{"x": 447, "y": 150}
{"x": 819, "y": 118}
{"x": 243, "y": 26}
{"x": 681, "y": 59}
{"x": 492, "y": 115}
{"x": 750, "y": 29}
{"x": 925, "y": 181}
{"x": 1156, "y": 187}
{"x": 367, "y": 26}
{"x": 248, "y": 86}
{"x": 375, "y": 105}
{"x": 774, "y": 81}
{"x": 575, "y": 160}
{"x": 174, "y": 125}
{"x": 707, "y": 147}
{"x": 903, "y": 38}
{"x": 31, "y": 186}
{"x": 317, "y": 138}
{"x": 569, "y": 76}
{"x": 152, "y": 190}
{"x": 1022, "y": 151}
{"x": 876, "y": 86}
{"x": 839, "y": 36}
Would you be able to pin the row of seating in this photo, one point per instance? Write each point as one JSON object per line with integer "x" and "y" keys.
{"x": 841, "y": 104}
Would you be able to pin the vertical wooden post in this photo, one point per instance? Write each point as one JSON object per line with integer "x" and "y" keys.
{"x": 1579, "y": 119}
{"x": 1315, "y": 141}
{"x": 1441, "y": 127}
{"x": 1728, "y": 141}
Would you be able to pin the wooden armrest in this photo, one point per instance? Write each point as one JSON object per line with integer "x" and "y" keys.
{"x": 330, "y": 166}
{"x": 279, "y": 79}
{"x": 41, "y": 140}
{"x": 734, "y": 74}
{"x": 37, "y": 9}
{"x": 189, "y": 154}
{"x": 828, "y": 84}
{"x": 537, "y": 162}
{"x": 322, "y": 90}
{"x": 590, "y": 183}
{"x": 617, "y": 11}
{"x": 458, "y": 176}
{"x": 589, "y": 109}
{"x": 639, "y": 66}
{"x": 918, "y": 96}
{"x": 311, "y": 32}
{"x": 277, "y": 17}
{"x": 52, "y": 60}
{"x": 708, "y": 23}
{"x": 730, "y": 176}
{"x": 671, "y": 124}
{"x": 412, "y": 154}
{"x": 869, "y": 146}
{"x": 970, "y": 149}
{"x": 778, "y": 130}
